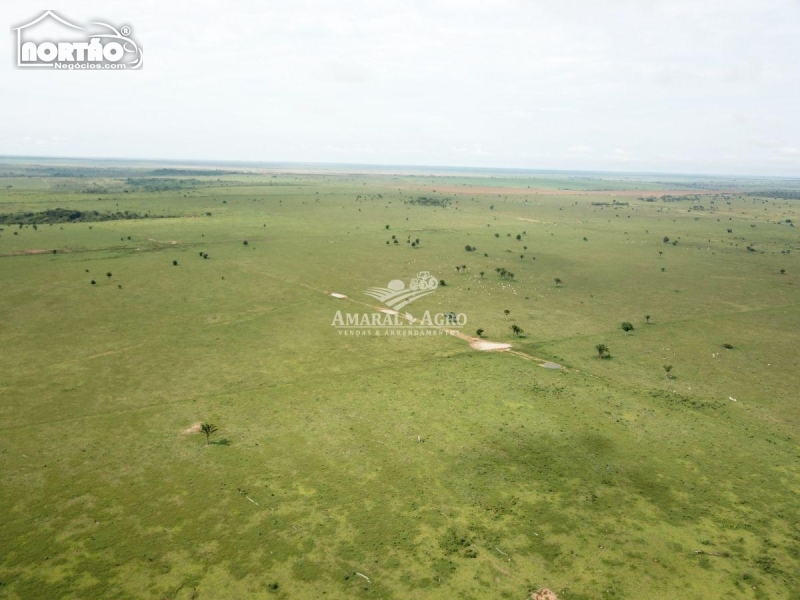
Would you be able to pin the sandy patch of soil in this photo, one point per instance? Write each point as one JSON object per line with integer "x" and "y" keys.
{"x": 193, "y": 428}
{"x": 32, "y": 252}
{"x": 544, "y": 594}
{"x": 335, "y": 295}
{"x": 485, "y": 346}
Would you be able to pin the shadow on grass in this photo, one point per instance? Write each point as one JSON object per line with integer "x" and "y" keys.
{"x": 222, "y": 442}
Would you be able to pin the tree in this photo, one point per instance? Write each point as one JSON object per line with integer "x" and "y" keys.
{"x": 463, "y": 267}
{"x": 479, "y": 332}
{"x": 557, "y": 280}
{"x": 244, "y": 243}
{"x": 442, "y": 282}
{"x": 209, "y": 430}
{"x": 94, "y": 282}
{"x": 660, "y": 253}
{"x": 482, "y": 274}
{"x": 647, "y": 318}
{"x": 519, "y": 237}
{"x": 626, "y": 326}
{"x": 516, "y": 329}
{"x": 387, "y": 227}
{"x": 174, "y": 263}
{"x": 663, "y": 269}
{"x": 783, "y": 271}
{"x": 603, "y": 350}
{"x": 458, "y": 269}
{"x": 506, "y": 312}
{"x": 666, "y": 239}
{"x": 667, "y": 370}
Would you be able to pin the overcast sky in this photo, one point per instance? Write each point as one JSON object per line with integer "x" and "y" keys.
{"x": 696, "y": 86}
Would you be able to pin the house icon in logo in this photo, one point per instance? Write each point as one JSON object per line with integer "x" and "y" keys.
{"x": 21, "y": 40}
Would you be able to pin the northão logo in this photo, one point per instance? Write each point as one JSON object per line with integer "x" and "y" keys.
{"x": 49, "y": 41}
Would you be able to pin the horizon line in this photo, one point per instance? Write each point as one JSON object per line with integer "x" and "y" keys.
{"x": 406, "y": 166}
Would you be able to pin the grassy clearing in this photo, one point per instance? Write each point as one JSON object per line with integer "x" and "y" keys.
{"x": 388, "y": 466}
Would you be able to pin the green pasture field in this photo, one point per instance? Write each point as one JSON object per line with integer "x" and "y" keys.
{"x": 400, "y": 466}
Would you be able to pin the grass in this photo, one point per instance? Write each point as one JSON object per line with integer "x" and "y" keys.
{"x": 393, "y": 466}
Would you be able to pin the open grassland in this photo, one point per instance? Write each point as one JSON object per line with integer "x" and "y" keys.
{"x": 397, "y": 467}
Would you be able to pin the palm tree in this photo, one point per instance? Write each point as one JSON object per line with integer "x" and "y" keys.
{"x": 603, "y": 350}
{"x": 516, "y": 329}
{"x": 482, "y": 274}
{"x": 208, "y": 429}
{"x": 626, "y": 326}
{"x": 647, "y": 317}
{"x": 479, "y": 332}
{"x": 667, "y": 369}
{"x": 557, "y": 280}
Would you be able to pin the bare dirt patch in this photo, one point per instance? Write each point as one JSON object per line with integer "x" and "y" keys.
{"x": 33, "y": 251}
{"x": 335, "y": 295}
{"x": 193, "y": 428}
{"x": 485, "y": 346}
{"x": 544, "y": 594}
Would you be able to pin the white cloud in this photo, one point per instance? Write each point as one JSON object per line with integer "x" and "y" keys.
{"x": 674, "y": 84}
